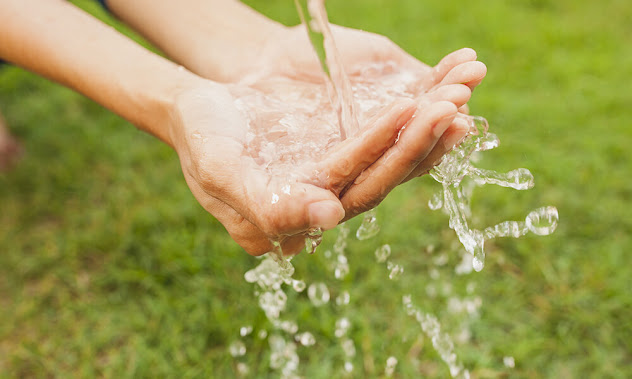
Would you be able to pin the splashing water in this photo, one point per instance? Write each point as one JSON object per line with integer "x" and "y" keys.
{"x": 455, "y": 166}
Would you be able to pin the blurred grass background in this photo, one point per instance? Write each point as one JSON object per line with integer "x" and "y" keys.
{"x": 109, "y": 268}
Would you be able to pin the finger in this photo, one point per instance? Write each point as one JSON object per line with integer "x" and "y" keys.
{"x": 452, "y": 136}
{"x": 465, "y": 109}
{"x": 446, "y": 64}
{"x": 250, "y": 236}
{"x": 414, "y": 144}
{"x": 459, "y": 94}
{"x": 355, "y": 154}
{"x": 468, "y": 73}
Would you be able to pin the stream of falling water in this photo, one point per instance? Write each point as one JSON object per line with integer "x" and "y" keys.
{"x": 333, "y": 111}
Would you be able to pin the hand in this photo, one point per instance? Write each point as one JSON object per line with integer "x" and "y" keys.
{"x": 440, "y": 90}
{"x": 209, "y": 135}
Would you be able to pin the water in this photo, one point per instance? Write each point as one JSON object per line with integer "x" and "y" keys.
{"x": 322, "y": 115}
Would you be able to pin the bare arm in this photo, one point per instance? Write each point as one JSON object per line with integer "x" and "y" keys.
{"x": 217, "y": 39}
{"x": 59, "y": 41}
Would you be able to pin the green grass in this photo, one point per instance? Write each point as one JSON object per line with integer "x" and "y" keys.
{"x": 108, "y": 267}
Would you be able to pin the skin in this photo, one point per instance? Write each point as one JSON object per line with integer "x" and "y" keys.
{"x": 192, "y": 111}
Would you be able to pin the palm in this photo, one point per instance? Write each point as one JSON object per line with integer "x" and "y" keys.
{"x": 253, "y": 203}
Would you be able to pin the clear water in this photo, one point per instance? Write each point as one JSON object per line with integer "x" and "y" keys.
{"x": 325, "y": 114}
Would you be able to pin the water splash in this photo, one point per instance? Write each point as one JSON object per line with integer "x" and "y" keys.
{"x": 456, "y": 166}
{"x": 440, "y": 341}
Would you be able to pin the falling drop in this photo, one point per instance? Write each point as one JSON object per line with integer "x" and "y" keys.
{"x": 298, "y": 285}
{"x": 343, "y": 298}
{"x": 348, "y": 366}
{"x": 313, "y": 239}
{"x": 245, "y": 330}
{"x": 342, "y": 326}
{"x": 242, "y": 369}
{"x": 318, "y": 294}
{"x": 369, "y": 227}
{"x": 237, "y": 349}
{"x": 478, "y": 262}
{"x": 395, "y": 270}
{"x": 436, "y": 201}
{"x": 306, "y": 339}
{"x": 382, "y": 253}
{"x": 391, "y": 363}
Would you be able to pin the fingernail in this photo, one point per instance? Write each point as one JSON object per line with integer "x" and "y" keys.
{"x": 325, "y": 214}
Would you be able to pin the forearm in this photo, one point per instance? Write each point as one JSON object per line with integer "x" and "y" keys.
{"x": 217, "y": 39}
{"x": 61, "y": 42}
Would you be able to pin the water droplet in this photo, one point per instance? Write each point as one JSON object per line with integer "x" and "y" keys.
{"x": 478, "y": 262}
{"x": 382, "y": 253}
{"x": 313, "y": 239}
{"x": 343, "y": 298}
{"x": 289, "y": 326}
{"x": 245, "y": 330}
{"x": 369, "y": 227}
{"x": 341, "y": 267}
{"x": 298, "y": 285}
{"x": 391, "y": 363}
{"x": 318, "y": 294}
{"x": 237, "y": 349}
{"x": 543, "y": 221}
{"x": 348, "y": 347}
{"x": 348, "y": 366}
{"x": 242, "y": 369}
{"x": 306, "y": 339}
{"x": 395, "y": 270}
{"x": 436, "y": 201}
{"x": 342, "y": 326}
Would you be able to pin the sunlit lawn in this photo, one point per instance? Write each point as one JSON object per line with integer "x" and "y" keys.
{"x": 108, "y": 267}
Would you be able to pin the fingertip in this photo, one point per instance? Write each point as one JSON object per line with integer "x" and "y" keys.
{"x": 468, "y": 53}
{"x": 325, "y": 214}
